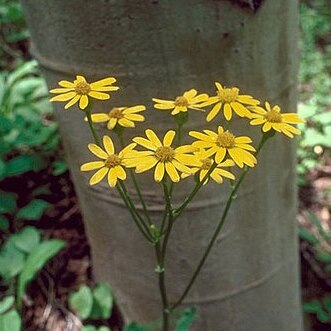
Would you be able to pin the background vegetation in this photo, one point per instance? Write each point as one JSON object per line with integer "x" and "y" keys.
{"x": 44, "y": 257}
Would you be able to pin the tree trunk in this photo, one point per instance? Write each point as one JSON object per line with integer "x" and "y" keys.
{"x": 160, "y": 49}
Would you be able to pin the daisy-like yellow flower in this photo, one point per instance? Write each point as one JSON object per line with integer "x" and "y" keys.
{"x": 111, "y": 163}
{"x": 203, "y": 164}
{"x": 80, "y": 90}
{"x": 124, "y": 116}
{"x": 228, "y": 100}
{"x": 223, "y": 143}
{"x": 162, "y": 156}
{"x": 271, "y": 118}
{"x": 189, "y": 100}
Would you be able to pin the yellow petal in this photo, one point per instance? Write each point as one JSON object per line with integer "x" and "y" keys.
{"x": 227, "y": 112}
{"x": 72, "y": 102}
{"x": 99, "y": 118}
{"x": 135, "y": 117}
{"x": 190, "y": 94}
{"x": 112, "y": 177}
{"x": 214, "y": 112}
{"x": 134, "y": 109}
{"x": 108, "y": 144}
{"x": 266, "y": 127}
{"x": 103, "y": 82}
{"x": 80, "y": 79}
{"x": 164, "y": 106}
{"x": 257, "y": 121}
{"x": 83, "y": 102}
{"x": 145, "y": 143}
{"x": 65, "y": 83}
{"x": 60, "y": 90}
{"x": 159, "y": 172}
{"x": 219, "y": 86}
{"x": 240, "y": 110}
{"x": 111, "y": 124}
{"x": 172, "y": 172}
{"x": 199, "y": 98}
{"x": 162, "y": 101}
{"x": 153, "y": 138}
{"x": 220, "y": 155}
{"x": 97, "y": 151}
{"x": 146, "y": 164}
{"x": 169, "y": 137}
{"x": 120, "y": 172}
{"x": 92, "y": 165}
{"x": 98, "y": 176}
{"x": 126, "y": 123}
{"x": 64, "y": 97}
{"x": 99, "y": 95}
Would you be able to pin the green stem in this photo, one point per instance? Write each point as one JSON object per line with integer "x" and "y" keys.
{"x": 136, "y": 185}
{"x": 196, "y": 189}
{"x": 90, "y": 122}
{"x": 218, "y": 228}
{"x": 134, "y": 216}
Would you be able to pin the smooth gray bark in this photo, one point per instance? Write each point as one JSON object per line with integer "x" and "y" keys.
{"x": 160, "y": 49}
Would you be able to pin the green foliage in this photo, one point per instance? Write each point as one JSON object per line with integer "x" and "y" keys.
{"x": 186, "y": 319}
{"x": 315, "y": 82}
{"x": 321, "y": 308}
{"x": 10, "y": 321}
{"x": 93, "y": 304}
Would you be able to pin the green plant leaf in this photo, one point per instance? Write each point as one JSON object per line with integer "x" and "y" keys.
{"x": 81, "y": 301}
{"x": 6, "y": 304}
{"x": 89, "y": 328}
{"x": 135, "y": 327}
{"x": 185, "y": 321}
{"x": 25, "y": 163}
{"x": 27, "y": 239}
{"x": 33, "y": 211}
{"x": 323, "y": 257}
{"x": 308, "y": 236}
{"x": 104, "y": 328}
{"x": 10, "y": 321}
{"x": 38, "y": 257}
{"x": 4, "y": 224}
{"x": 59, "y": 168}
{"x": 103, "y": 302}
{"x": 7, "y": 202}
{"x": 12, "y": 260}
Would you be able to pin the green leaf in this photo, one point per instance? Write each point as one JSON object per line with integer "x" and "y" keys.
{"x": 33, "y": 211}
{"x": 89, "y": 328}
{"x": 185, "y": 321}
{"x": 4, "y": 224}
{"x": 323, "y": 257}
{"x": 103, "y": 302}
{"x": 25, "y": 163}
{"x": 135, "y": 327}
{"x": 27, "y": 68}
{"x": 12, "y": 260}
{"x": 312, "y": 306}
{"x": 7, "y": 202}
{"x": 104, "y": 328}
{"x": 38, "y": 257}
{"x": 10, "y": 321}
{"x": 81, "y": 302}
{"x": 59, "y": 168}
{"x": 6, "y": 304}
{"x": 308, "y": 236}
{"x": 27, "y": 239}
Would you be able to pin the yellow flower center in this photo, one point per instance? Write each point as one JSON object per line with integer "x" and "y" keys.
{"x": 228, "y": 95}
{"x": 226, "y": 140}
{"x": 112, "y": 161}
{"x": 164, "y": 153}
{"x": 206, "y": 164}
{"x": 273, "y": 116}
{"x": 82, "y": 88}
{"x": 181, "y": 101}
{"x": 116, "y": 113}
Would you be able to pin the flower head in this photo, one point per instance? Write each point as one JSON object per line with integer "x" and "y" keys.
{"x": 80, "y": 90}
{"x": 271, "y": 118}
{"x": 228, "y": 100}
{"x": 124, "y": 116}
{"x": 223, "y": 143}
{"x": 111, "y": 163}
{"x": 189, "y": 100}
{"x": 204, "y": 163}
{"x": 162, "y": 156}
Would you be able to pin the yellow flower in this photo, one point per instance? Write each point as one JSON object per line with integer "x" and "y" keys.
{"x": 224, "y": 142}
{"x": 271, "y": 118}
{"x": 203, "y": 165}
{"x": 111, "y": 164}
{"x": 228, "y": 100}
{"x": 189, "y": 100}
{"x": 124, "y": 116}
{"x": 80, "y": 90}
{"x": 162, "y": 156}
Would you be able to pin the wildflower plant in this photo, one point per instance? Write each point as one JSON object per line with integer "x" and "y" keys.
{"x": 213, "y": 154}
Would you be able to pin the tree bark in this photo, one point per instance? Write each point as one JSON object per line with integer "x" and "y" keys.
{"x": 160, "y": 49}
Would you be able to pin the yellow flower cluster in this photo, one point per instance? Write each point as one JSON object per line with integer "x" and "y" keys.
{"x": 209, "y": 156}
